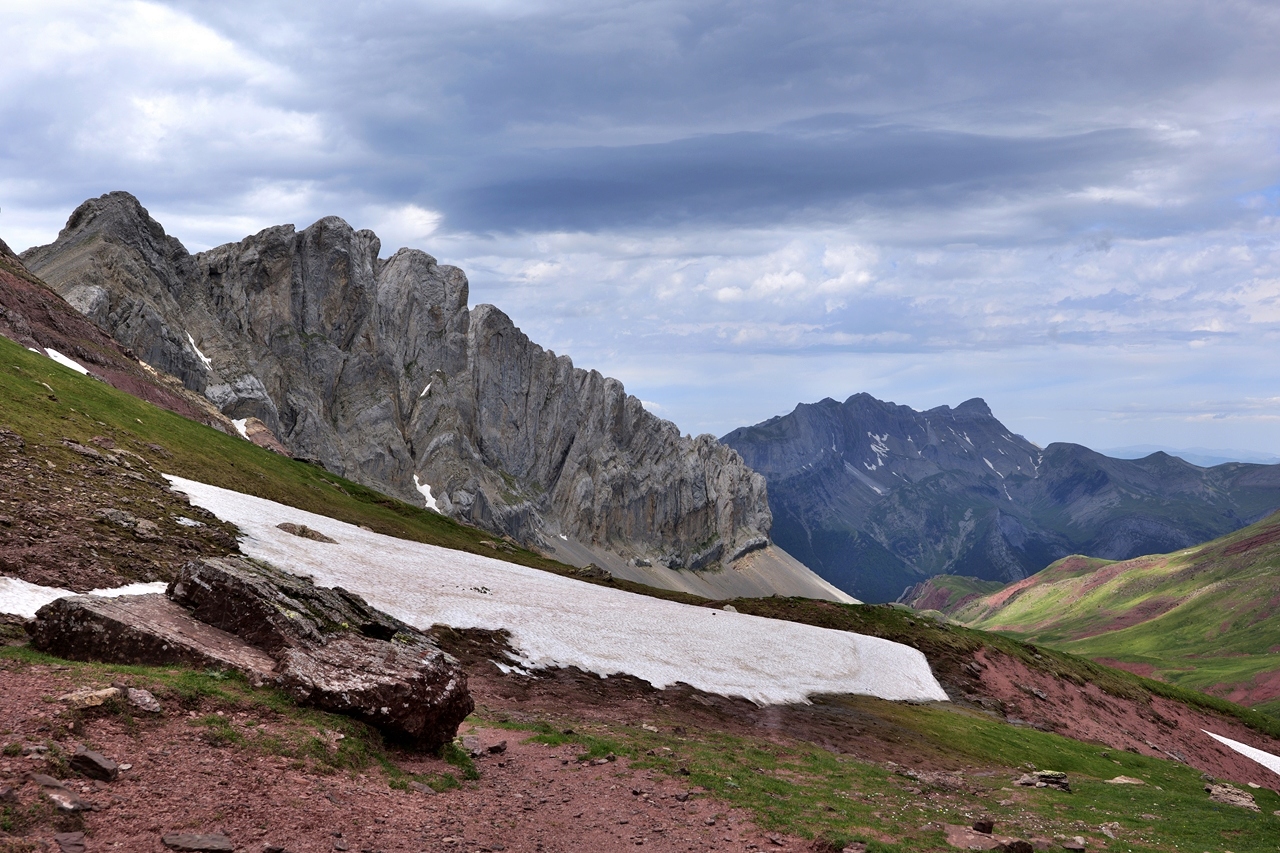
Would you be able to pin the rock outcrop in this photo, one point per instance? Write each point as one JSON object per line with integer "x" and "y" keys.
{"x": 875, "y": 497}
{"x": 377, "y": 369}
{"x": 325, "y": 647}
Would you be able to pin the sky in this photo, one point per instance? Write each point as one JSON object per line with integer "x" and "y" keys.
{"x": 1068, "y": 209}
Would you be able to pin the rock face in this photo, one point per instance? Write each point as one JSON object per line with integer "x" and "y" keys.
{"x": 326, "y": 647}
{"x": 876, "y": 497}
{"x": 377, "y": 369}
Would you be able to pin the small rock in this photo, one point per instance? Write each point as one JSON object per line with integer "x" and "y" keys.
{"x": 70, "y": 842}
{"x": 88, "y": 698}
{"x": 422, "y": 788}
{"x": 192, "y": 842}
{"x": 985, "y": 824}
{"x": 855, "y": 847}
{"x": 1045, "y": 779}
{"x": 273, "y": 848}
{"x": 1076, "y": 844}
{"x": 143, "y": 700}
{"x": 1125, "y": 780}
{"x": 95, "y": 765}
{"x": 729, "y": 608}
{"x": 1110, "y": 830}
{"x": 1231, "y": 796}
{"x": 63, "y": 798}
{"x": 305, "y": 532}
{"x": 145, "y": 529}
{"x": 8, "y": 795}
{"x": 497, "y": 748}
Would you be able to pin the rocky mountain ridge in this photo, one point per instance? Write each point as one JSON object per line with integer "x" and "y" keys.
{"x": 876, "y": 497}
{"x": 378, "y": 370}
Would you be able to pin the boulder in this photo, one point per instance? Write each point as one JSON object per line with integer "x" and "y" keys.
{"x": 95, "y": 765}
{"x": 141, "y": 629}
{"x": 333, "y": 651}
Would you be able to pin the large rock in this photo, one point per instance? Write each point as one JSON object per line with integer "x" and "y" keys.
{"x": 141, "y": 629}
{"x": 326, "y": 647}
{"x": 333, "y": 651}
{"x": 377, "y": 369}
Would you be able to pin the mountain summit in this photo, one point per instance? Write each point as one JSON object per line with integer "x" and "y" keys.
{"x": 378, "y": 370}
{"x": 876, "y": 496}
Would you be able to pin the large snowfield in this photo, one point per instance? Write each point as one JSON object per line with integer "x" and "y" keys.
{"x": 557, "y": 621}
{"x": 24, "y": 599}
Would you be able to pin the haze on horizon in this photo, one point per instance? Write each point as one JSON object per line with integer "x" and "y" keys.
{"x": 1066, "y": 208}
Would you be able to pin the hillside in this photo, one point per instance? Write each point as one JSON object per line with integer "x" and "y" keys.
{"x": 1202, "y": 617}
{"x": 877, "y": 497}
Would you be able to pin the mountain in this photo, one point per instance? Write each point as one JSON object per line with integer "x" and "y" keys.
{"x": 1205, "y": 457}
{"x": 876, "y": 497}
{"x": 1202, "y": 618}
{"x": 377, "y": 369}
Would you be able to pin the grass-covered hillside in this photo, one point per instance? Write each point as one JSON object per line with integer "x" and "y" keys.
{"x": 1203, "y": 617}
{"x": 51, "y": 407}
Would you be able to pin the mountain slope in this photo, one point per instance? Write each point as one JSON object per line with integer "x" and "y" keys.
{"x": 377, "y": 369}
{"x": 876, "y": 497}
{"x": 1203, "y": 618}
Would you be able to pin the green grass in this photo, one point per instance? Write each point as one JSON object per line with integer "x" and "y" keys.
{"x": 814, "y": 793}
{"x": 77, "y": 407}
{"x": 1202, "y": 618}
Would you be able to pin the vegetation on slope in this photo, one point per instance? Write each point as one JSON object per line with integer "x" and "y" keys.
{"x": 1202, "y": 617}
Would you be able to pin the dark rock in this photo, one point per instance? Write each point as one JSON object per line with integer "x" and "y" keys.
{"x": 333, "y": 650}
{"x": 271, "y": 609}
{"x": 95, "y": 765}
{"x": 985, "y": 824}
{"x": 141, "y": 629}
{"x": 1076, "y": 844}
{"x": 8, "y": 794}
{"x": 70, "y": 842}
{"x": 497, "y": 748}
{"x": 63, "y": 798}
{"x": 305, "y": 532}
{"x": 191, "y": 842}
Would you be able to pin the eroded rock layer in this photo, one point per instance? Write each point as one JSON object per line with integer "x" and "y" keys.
{"x": 377, "y": 369}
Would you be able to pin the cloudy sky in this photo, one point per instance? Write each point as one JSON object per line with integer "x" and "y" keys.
{"x": 1067, "y": 208}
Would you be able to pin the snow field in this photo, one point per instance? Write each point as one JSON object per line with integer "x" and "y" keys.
{"x": 556, "y": 621}
{"x": 1266, "y": 759}
{"x": 24, "y": 599}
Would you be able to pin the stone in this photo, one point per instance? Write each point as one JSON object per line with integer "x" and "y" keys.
{"x": 141, "y": 629}
{"x": 143, "y": 700}
{"x": 192, "y": 842}
{"x": 63, "y": 798}
{"x": 95, "y": 765}
{"x": 89, "y": 697}
{"x": 1076, "y": 844}
{"x": 1045, "y": 779}
{"x": 332, "y": 650}
{"x": 70, "y": 842}
{"x": 8, "y": 794}
{"x": 1125, "y": 780}
{"x": 422, "y": 788}
{"x": 497, "y": 748}
{"x": 305, "y": 532}
{"x": 1230, "y": 795}
{"x": 985, "y": 824}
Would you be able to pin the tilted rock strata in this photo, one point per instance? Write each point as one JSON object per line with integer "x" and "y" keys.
{"x": 378, "y": 370}
{"x": 326, "y": 647}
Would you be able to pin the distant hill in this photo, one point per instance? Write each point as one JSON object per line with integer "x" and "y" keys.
{"x": 876, "y": 497}
{"x": 1203, "y": 456}
{"x": 1202, "y": 618}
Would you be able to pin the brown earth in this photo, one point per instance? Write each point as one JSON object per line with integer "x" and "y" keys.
{"x": 85, "y": 517}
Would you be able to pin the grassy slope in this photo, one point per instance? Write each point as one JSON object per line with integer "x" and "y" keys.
{"x": 1202, "y": 618}
{"x": 45, "y": 402}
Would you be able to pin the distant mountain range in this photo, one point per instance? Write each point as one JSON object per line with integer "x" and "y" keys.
{"x": 876, "y": 497}
{"x": 1202, "y": 456}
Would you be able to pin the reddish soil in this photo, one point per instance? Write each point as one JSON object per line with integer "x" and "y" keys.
{"x": 1264, "y": 687}
{"x": 1146, "y": 670}
{"x": 1160, "y": 727}
{"x": 529, "y": 798}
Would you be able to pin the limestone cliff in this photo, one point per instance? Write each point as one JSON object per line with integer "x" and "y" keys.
{"x": 377, "y": 369}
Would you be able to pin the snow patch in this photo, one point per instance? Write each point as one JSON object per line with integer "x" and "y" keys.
{"x": 424, "y": 391}
{"x": 208, "y": 362}
{"x": 66, "y": 362}
{"x": 557, "y": 621}
{"x": 240, "y": 427}
{"x": 24, "y": 599}
{"x": 1266, "y": 759}
{"x": 426, "y": 493}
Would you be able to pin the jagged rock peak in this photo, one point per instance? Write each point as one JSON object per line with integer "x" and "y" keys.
{"x": 377, "y": 369}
